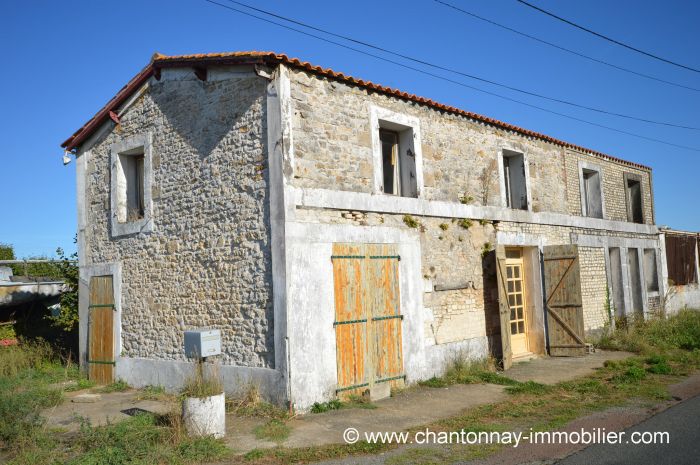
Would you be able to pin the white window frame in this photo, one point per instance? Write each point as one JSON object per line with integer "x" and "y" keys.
{"x": 382, "y": 118}
{"x": 502, "y": 177}
{"x": 584, "y": 165}
{"x": 137, "y": 144}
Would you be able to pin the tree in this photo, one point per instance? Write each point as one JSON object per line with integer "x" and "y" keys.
{"x": 69, "y": 272}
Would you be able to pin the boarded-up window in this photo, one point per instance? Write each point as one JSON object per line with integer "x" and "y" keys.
{"x": 680, "y": 257}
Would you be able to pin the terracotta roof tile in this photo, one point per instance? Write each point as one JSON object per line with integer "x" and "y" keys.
{"x": 159, "y": 60}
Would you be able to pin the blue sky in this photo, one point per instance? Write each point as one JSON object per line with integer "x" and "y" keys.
{"x": 63, "y": 60}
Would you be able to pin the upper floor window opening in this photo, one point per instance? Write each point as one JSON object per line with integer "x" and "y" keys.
{"x": 391, "y": 169}
{"x": 590, "y": 178}
{"x": 397, "y": 153}
{"x": 514, "y": 181}
{"x": 633, "y": 193}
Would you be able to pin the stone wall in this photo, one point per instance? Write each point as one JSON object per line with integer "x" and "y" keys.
{"x": 333, "y": 150}
{"x": 459, "y": 290}
{"x": 332, "y": 146}
{"x": 593, "y": 288}
{"x": 613, "y": 186}
{"x": 207, "y": 261}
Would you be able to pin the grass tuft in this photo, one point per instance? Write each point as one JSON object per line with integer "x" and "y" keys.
{"x": 117, "y": 386}
{"x": 274, "y": 430}
{"x": 353, "y": 401}
{"x": 204, "y": 382}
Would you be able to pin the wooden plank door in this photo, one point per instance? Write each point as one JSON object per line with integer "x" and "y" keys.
{"x": 384, "y": 308}
{"x": 101, "y": 360}
{"x": 367, "y": 316}
{"x": 563, "y": 302}
{"x": 503, "y": 307}
{"x": 350, "y": 317}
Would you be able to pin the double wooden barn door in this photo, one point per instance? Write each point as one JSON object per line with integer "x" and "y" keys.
{"x": 562, "y": 301}
{"x": 564, "y": 306}
{"x": 367, "y": 316}
{"x": 101, "y": 360}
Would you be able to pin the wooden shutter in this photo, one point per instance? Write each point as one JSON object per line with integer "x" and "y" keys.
{"x": 503, "y": 307}
{"x": 564, "y": 307}
{"x": 368, "y": 317}
{"x": 350, "y": 316}
{"x": 101, "y": 361}
{"x": 384, "y": 305}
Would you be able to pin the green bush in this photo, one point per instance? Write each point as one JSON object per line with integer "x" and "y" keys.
{"x": 320, "y": 407}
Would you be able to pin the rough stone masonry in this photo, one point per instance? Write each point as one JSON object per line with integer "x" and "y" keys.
{"x": 257, "y": 164}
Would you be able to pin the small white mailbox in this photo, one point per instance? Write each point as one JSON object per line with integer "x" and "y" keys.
{"x": 202, "y": 343}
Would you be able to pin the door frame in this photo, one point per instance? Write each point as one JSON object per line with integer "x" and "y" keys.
{"x": 86, "y": 272}
{"x": 532, "y": 247}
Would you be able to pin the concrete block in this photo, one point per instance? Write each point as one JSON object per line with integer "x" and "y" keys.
{"x": 380, "y": 391}
{"x": 86, "y": 398}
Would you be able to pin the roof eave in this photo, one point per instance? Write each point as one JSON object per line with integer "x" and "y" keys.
{"x": 253, "y": 58}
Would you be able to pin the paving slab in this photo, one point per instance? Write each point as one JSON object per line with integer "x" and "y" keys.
{"x": 553, "y": 370}
{"x": 415, "y": 406}
{"x": 100, "y": 409}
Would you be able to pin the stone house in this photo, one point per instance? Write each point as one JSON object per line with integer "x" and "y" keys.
{"x": 344, "y": 236}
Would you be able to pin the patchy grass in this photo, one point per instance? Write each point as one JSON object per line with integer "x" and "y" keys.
{"x": 251, "y": 405}
{"x": 463, "y": 371}
{"x": 19, "y": 358}
{"x": 143, "y": 439}
{"x": 274, "y": 430}
{"x": 656, "y": 336}
{"x": 80, "y": 384}
{"x": 157, "y": 393}
{"x": 528, "y": 387}
{"x": 34, "y": 377}
{"x": 27, "y": 375}
{"x": 117, "y": 386}
{"x": 353, "y": 401}
{"x": 531, "y": 405}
